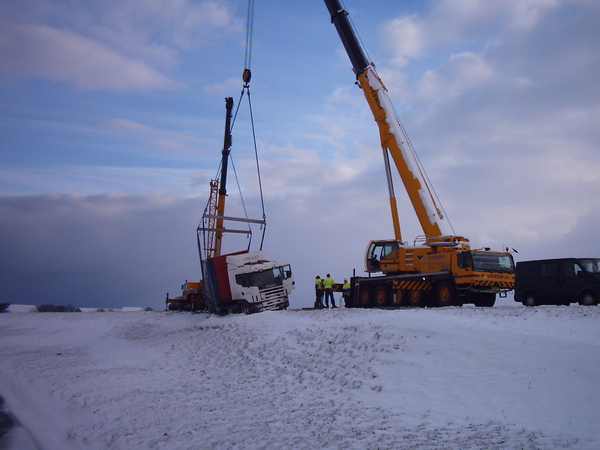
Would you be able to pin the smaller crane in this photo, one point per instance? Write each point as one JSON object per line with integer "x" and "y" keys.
{"x": 243, "y": 281}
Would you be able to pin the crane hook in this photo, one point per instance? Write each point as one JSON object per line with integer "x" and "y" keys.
{"x": 246, "y": 77}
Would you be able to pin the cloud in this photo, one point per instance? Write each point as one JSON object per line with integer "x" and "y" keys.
{"x": 166, "y": 140}
{"x": 103, "y": 251}
{"x": 445, "y": 24}
{"x": 224, "y": 87}
{"x": 64, "y": 56}
{"x": 113, "y": 45}
{"x": 88, "y": 180}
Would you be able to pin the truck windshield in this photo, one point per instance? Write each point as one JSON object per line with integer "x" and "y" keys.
{"x": 493, "y": 262}
{"x": 590, "y": 265}
{"x": 264, "y": 278}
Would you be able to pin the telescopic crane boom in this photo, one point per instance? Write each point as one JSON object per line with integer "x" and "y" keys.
{"x": 444, "y": 270}
{"x": 394, "y": 140}
{"x": 223, "y": 180}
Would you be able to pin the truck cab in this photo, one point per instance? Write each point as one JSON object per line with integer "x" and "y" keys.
{"x": 246, "y": 282}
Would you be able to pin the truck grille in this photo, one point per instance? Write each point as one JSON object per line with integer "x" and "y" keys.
{"x": 273, "y": 298}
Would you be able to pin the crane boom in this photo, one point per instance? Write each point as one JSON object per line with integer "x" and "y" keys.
{"x": 223, "y": 183}
{"x": 443, "y": 271}
{"x": 392, "y": 135}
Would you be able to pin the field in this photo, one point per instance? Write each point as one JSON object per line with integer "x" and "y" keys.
{"x": 506, "y": 377}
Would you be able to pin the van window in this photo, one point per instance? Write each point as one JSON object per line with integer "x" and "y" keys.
{"x": 573, "y": 269}
{"x": 590, "y": 265}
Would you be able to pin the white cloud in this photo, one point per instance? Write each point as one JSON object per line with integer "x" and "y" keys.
{"x": 225, "y": 87}
{"x": 462, "y": 72}
{"x": 65, "y": 56}
{"x": 96, "y": 180}
{"x": 112, "y": 45}
{"x": 449, "y": 23}
{"x": 166, "y": 140}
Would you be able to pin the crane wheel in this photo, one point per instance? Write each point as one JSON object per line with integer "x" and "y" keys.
{"x": 364, "y": 297}
{"x": 400, "y": 297}
{"x": 415, "y": 298}
{"x": 382, "y": 295}
{"x": 445, "y": 294}
{"x": 485, "y": 300}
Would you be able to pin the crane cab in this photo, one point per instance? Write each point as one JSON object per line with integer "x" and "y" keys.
{"x": 392, "y": 256}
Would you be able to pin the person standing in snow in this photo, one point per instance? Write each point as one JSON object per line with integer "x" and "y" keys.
{"x": 346, "y": 291}
{"x": 318, "y": 292}
{"x": 328, "y": 286}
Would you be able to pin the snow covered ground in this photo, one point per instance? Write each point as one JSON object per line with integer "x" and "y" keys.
{"x": 453, "y": 378}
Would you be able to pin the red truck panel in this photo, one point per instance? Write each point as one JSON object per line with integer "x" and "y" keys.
{"x": 216, "y": 279}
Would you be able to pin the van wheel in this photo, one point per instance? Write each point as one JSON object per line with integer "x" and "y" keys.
{"x": 587, "y": 299}
{"x": 529, "y": 300}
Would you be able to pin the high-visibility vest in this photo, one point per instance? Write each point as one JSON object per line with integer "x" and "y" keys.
{"x": 318, "y": 283}
{"x": 346, "y": 286}
{"x": 328, "y": 283}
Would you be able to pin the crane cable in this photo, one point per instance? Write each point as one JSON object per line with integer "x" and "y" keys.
{"x": 246, "y": 76}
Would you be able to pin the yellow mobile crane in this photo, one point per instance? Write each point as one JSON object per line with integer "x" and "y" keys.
{"x": 443, "y": 270}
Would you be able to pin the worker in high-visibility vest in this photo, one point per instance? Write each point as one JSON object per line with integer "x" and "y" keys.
{"x": 318, "y": 292}
{"x": 328, "y": 286}
{"x": 346, "y": 291}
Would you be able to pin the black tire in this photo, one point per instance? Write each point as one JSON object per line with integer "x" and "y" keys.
{"x": 382, "y": 295}
{"x": 485, "y": 300}
{"x": 245, "y": 307}
{"x": 400, "y": 299}
{"x": 415, "y": 298}
{"x": 364, "y": 297}
{"x": 445, "y": 294}
{"x": 587, "y": 299}
{"x": 529, "y": 300}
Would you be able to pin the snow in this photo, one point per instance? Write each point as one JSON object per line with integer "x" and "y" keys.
{"x": 449, "y": 378}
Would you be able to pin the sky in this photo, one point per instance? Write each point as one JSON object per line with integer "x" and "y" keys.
{"x": 112, "y": 117}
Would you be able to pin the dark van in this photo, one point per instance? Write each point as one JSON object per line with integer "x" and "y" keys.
{"x": 558, "y": 281}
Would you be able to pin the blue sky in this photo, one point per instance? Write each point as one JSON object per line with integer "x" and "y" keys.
{"x": 111, "y": 126}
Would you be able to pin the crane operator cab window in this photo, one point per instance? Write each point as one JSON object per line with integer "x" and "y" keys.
{"x": 379, "y": 251}
{"x": 486, "y": 261}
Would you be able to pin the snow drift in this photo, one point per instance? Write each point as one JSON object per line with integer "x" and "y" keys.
{"x": 458, "y": 378}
